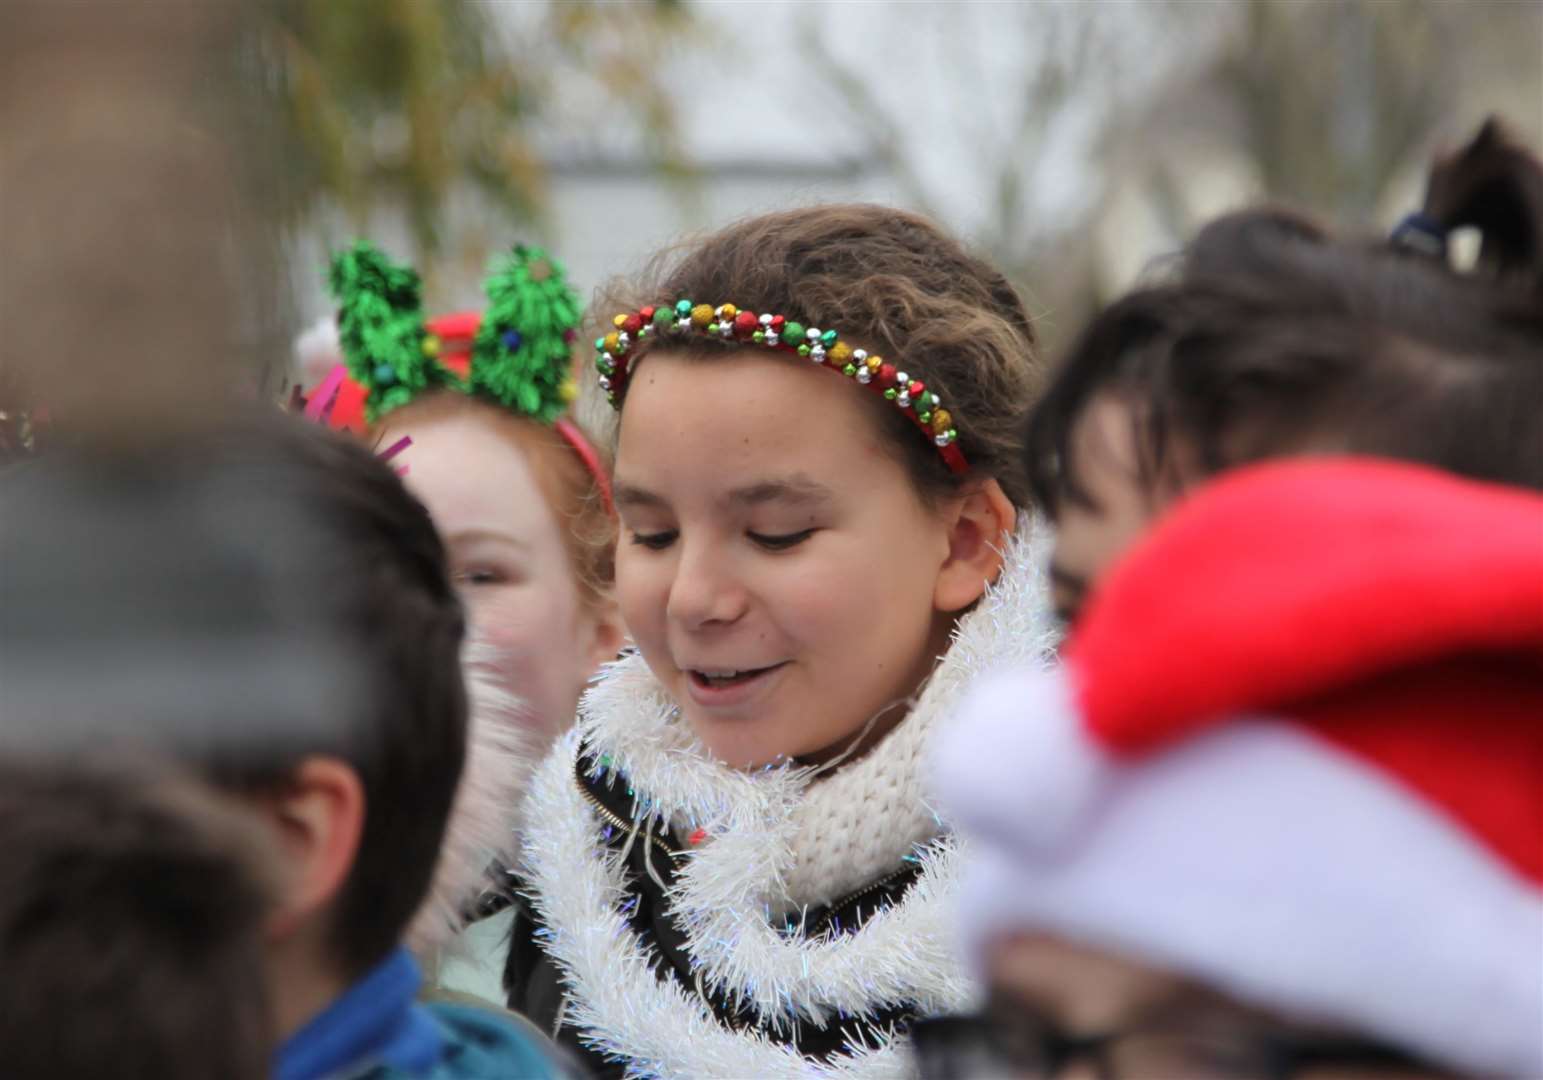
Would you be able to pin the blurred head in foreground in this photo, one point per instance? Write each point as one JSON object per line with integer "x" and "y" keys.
{"x": 131, "y": 910}
{"x": 1278, "y": 812}
{"x": 268, "y": 606}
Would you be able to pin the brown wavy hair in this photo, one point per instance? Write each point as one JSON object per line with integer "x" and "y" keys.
{"x": 891, "y": 282}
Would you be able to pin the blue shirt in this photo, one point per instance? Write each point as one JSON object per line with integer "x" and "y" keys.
{"x": 378, "y": 1031}
{"x": 377, "y": 1022}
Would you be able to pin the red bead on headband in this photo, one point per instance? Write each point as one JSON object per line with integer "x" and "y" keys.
{"x": 615, "y": 353}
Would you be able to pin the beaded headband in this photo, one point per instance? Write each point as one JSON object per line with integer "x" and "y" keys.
{"x": 617, "y": 351}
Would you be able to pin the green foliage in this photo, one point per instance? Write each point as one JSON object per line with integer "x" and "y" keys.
{"x": 522, "y": 356}
{"x": 401, "y": 103}
{"x": 380, "y": 327}
{"x": 395, "y": 100}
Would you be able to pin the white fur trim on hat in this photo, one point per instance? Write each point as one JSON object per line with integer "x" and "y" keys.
{"x": 1268, "y": 863}
{"x": 1017, "y": 766}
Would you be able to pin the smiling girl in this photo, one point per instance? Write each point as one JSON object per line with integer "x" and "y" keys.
{"x": 732, "y": 868}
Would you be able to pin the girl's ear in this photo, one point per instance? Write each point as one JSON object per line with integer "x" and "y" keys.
{"x": 979, "y": 525}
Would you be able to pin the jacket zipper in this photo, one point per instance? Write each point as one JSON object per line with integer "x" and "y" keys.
{"x": 830, "y": 912}
{"x": 616, "y": 821}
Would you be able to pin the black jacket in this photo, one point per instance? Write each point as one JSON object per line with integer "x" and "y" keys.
{"x": 535, "y": 989}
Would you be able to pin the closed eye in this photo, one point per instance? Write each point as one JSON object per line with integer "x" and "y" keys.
{"x": 781, "y": 542}
{"x": 655, "y": 541}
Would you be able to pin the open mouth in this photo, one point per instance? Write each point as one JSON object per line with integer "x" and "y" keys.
{"x": 723, "y": 678}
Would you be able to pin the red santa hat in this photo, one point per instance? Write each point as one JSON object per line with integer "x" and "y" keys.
{"x": 1295, "y": 750}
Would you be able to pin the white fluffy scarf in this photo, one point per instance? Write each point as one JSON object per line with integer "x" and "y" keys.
{"x": 777, "y": 840}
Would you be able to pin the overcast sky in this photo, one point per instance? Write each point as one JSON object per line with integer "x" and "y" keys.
{"x": 950, "y": 79}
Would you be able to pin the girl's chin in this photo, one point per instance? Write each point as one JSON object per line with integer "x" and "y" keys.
{"x": 756, "y": 739}
{"x": 737, "y": 752}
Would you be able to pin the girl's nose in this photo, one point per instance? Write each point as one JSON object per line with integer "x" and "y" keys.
{"x": 704, "y": 593}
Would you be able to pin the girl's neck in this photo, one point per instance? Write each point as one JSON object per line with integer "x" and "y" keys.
{"x": 854, "y": 747}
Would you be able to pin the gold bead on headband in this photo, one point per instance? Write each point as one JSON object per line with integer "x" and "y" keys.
{"x": 615, "y": 353}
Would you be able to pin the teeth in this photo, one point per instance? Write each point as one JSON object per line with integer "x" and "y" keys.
{"x": 719, "y": 674}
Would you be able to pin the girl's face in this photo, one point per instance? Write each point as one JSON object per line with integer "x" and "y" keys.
{"x": 507, "y": 555}
{"x": 776, "y": 568}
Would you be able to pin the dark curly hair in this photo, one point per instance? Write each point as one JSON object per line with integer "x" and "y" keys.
{"x": 238, "y": 601}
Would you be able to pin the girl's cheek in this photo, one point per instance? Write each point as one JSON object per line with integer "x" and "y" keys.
{"x": 501, "y": 616}
{"x": 495, "y": 631}
{"x": 642, "y": 591}
{"x": 533, "y": 637}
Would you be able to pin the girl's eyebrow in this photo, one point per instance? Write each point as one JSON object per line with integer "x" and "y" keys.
{"x": 472, "y": 536}
{"x": 791, "y": 489}
{"x": 627, "y": 495}
{"x": 797, "y": 488}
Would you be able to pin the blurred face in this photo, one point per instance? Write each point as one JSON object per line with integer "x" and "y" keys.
{"x": 776, "y": 567}
{"x": 507, "y": 555}
{"x": 1091, "y": 536}
{"x": 1154, "y": 1024}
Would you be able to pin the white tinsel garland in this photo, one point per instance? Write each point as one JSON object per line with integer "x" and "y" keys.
{"x": 723, "y": 893}
{"x": 615, "y": 1000}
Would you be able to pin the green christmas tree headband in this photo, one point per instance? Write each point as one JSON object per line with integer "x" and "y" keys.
{"x": 520, "y": 354}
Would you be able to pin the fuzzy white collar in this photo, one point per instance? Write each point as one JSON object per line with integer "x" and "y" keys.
{"x": 501, "y": 753}
{"x": 776, "y": 838}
